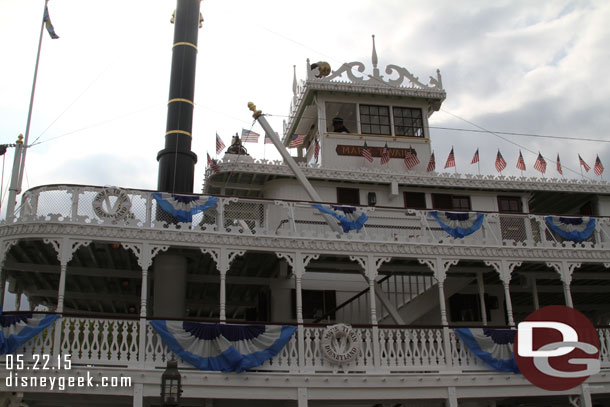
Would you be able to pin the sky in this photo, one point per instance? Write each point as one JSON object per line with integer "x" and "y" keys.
{"x": 101, "y": 98}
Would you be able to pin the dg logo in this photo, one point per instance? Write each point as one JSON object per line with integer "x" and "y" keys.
{"x": 557, "y": 348}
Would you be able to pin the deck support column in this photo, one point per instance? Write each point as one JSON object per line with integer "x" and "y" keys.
{"x": 505, "y": 269}
{"x": 535, "y": 293}
{"x": 452, "y": 400}
{"x": 138, "y": 395}
{"x": 565, "y": 271}
{"x": 223, "y": 258}
{"x": 481, "y": 286}
{"x": 145, "y": 253}
{"x": 585, "y": 396}
{"x": 439, "y": 267}
{"x": 298, "y": 261}
{"x": 302, "y": 397}
{"x": 5, "y": 246}
{"x": 64, "y": 248}
{"x": 370, "y": 265}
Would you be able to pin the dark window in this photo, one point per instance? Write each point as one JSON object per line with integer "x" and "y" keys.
{"x": 586, "y": 209}
{"x": 348, "y": 196}
{"x": 467, "y": 307}
{"x": 374, "y": 119}
{"x": 345, "y": 111}
{"x": 510, "y": 204}
{"x": 415, "y": 200}
{"x": 316, "y": 303}
{"x": 408, "y": 122}
{"x": 451, "y": 202}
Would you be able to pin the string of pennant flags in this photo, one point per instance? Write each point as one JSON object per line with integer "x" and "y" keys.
{"x": 411, "y": 160}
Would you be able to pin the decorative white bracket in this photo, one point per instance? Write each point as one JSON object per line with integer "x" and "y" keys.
{"x": 370, "y": 265}
{"x": 564, "y": 269}
{"x": 65, "y": 248}
{"x": 504, "y": 269}
{"x": 145, "y": 253}
{"x": 222, "y": 257}
{"x": 439, "y": 267}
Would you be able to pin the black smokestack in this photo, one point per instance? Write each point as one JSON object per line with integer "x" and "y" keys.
{"x": 176, "y": 160}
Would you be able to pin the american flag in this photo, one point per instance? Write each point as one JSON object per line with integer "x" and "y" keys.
{"x": 559, "y": 169}
{"x": 385, "y": 155}
{"x": 450, "y": 159}
{"x": 219, "y": 144}
{"x": 598, "y": 168}
{"x": 521, "y": 162}
{"x": 540, "y": 164}
{"x": 268, "y": 139}
{"x": 583, "y": 163}
{"x": 475, "y": 157}
{"x": 212, "y": 164}
{"x": 431, "y": 163}
{"x": 296, "y": 140}
{"x": 248, "y": 136}
{"x": 500, "y": 163}
{"x": 411, "y": 159}
{"x": 316, "y": 150}
{"x": 366, "y": 153}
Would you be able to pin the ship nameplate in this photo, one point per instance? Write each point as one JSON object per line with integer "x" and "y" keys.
{"x": 356, "y": 151}
{"x": 340, "y": 343}
{"x": 112, "y": 203}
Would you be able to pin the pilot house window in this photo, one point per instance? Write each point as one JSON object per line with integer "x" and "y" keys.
{"x": 375, "y": 119}
{"x": 408, "y": 122}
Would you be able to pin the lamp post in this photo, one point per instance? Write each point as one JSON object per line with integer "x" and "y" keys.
{"x": 171, "y": 386}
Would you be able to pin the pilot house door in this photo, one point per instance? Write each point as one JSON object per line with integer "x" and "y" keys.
{"x": 513, "y": 227}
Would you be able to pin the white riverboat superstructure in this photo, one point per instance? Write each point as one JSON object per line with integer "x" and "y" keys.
{"x": 396, "y": 286}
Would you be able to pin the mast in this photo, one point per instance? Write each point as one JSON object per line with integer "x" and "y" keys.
{"x": 176, "y": 160}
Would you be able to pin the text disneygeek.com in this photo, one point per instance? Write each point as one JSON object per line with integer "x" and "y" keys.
{"x": 18, "y": 377}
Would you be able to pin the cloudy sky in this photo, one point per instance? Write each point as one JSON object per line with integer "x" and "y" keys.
{"x": 101, "y": 100}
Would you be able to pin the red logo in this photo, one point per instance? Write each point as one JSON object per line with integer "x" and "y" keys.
{"x": 556, "y": 348}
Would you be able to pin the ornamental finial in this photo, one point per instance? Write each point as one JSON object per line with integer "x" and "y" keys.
{"x": 374, "y": 57}
{"x": 252, "y": 107}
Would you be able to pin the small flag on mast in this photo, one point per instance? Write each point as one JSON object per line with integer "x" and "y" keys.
{"x": 450, "y": 160}
{"x": 431, "y": 163}
{"x": 411, "y": 159}
{"x": 385, "y": 155}
{"x": 219, "y": 144}
{"x": 296, "y": 140}
{"x": 48, "y": 24}
{"x": 583, "y": 163}
{"x": 500, "y": 163}
{"x": 521, "y": 162}
{"x": 475, "y": 157}
{"x": 268, "y": 139}
{"x": 212, "y": 164}
{"x": 598, "y": 168}
{"x": 366, "y": 153}
{"x": 248, "y": 136}
{"x": 559, "y": 169}
{"x": 540, "y": 164}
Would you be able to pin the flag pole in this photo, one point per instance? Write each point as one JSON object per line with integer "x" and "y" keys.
{"x": 15, "y": 187}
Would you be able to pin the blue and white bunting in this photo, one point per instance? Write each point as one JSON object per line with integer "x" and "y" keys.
{"x": 223, "y": 347}
{"x": 458, "y": 224}
{"x": 183, "y": 207}
{"x": 350, "y": 221}
{"x": 575, "y": 229}
{"x": 493, "y": 346}
{"x": 20, "y": 328}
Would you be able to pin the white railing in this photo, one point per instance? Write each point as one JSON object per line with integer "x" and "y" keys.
{"x": 75, "y": 204}
{"x": 114, "y": 342}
